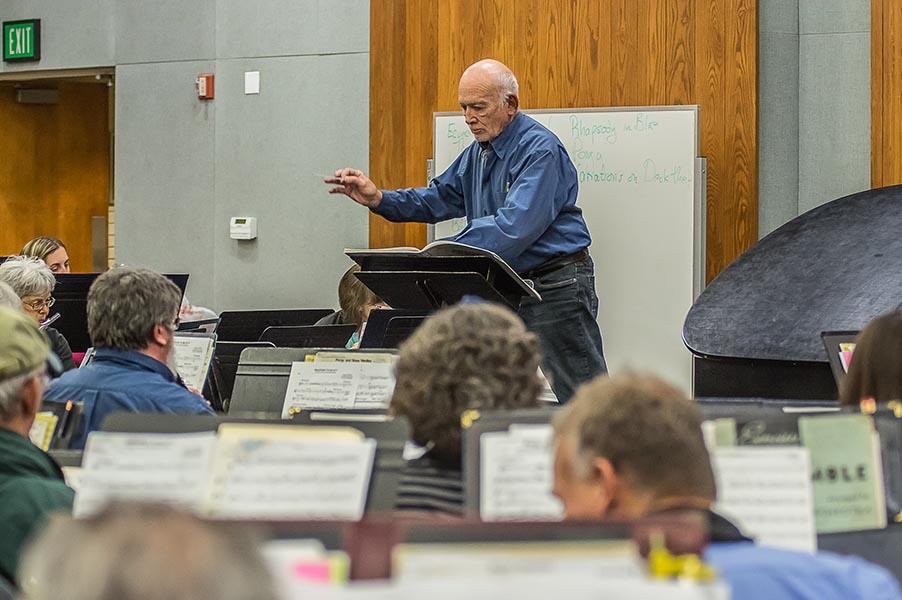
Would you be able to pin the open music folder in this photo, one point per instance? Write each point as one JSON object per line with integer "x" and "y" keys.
{"x": 247, "y": 471}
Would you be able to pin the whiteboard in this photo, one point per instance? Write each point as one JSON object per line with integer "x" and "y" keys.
{"x": 641, "y": 189}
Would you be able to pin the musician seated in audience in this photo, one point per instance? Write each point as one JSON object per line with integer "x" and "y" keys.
{"x": 631, "y": 446}
{"x": 144, "y": 552}
{"x": 876, "y": 370}
{"x": 132, "y": 318}
{"x": 31, "y": 484}
{"x": 33, "y": 281}
{"x": 356, "y": 301}
{"x": 9, "y": 298}
{"x": 50, "y": 250}
{"x": 468, "y": 357}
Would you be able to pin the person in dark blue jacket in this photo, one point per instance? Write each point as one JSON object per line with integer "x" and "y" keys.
{"x": 631, "y": 446}
{"x": 132, "y": 318}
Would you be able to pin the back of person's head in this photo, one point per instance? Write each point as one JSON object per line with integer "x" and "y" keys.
{"x": 470, "y": 356}
{"x": 27, "y": 276}
{"x": 8, "y": 297}
{"x": 876, "y": 369}
{"x": 354, "y": 298}
{"x": 23, "y": 354}
{"x": 144, "y": 552}
{"x": 626, "y": 438}
{"x": 125, "y": 304}
{"x": 42, "y": 247}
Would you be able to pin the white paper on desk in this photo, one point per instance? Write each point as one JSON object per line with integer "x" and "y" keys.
{"x": 524, "y": 587}
{"x": 289, "y": 477}
{"x": 767, "y": 491}
{"x": 516, "y": 475}
{"x": 490, "y": 560}
{"x": 192, "y": 358}
{"x": 342, "y": 385}
{"x": 152, "y": 467}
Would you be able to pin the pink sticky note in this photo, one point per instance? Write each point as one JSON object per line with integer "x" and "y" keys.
{"x": 313, "y": 571}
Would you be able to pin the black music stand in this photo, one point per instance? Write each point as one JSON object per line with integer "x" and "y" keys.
{"x": 440, "y": 274}
{"x": 309, "y": 336}
{"x": 249, "y": 325}
{"x": 71, "y": 293}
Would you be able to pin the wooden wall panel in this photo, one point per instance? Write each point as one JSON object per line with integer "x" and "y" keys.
{"x": 55, "y": 170}
{"x": 574, "y": 53}
{"x": 886, "y": 92}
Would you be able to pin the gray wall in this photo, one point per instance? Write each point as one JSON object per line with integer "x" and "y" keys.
{"x": 814, "y": 105}
{"x": 74, "y": 33}
{"x": 183, "y": 167}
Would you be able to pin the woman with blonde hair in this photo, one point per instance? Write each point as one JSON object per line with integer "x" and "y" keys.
{"x": 51, "y": 250}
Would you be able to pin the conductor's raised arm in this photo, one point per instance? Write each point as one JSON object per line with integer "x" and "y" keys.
{"x": 355, "y": 185}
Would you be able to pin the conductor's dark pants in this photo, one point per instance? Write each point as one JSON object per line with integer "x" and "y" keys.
{"x": 565, "y": 323}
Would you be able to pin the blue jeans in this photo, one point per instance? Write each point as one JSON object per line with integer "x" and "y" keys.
{"x": 565, "y": 323}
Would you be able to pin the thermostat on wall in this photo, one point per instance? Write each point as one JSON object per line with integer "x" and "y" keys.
{"x": 243, "y": 228}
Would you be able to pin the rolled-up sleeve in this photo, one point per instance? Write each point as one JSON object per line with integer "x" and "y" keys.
{"x": 443, "y": 199}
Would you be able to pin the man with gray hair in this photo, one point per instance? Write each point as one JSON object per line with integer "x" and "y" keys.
{"x": 31, "y": 484}
{"x": 631, "y": 446}
{"x": 132, "y": 318}
{"x": 145, "y": 552}
{"x": 517, "y": 187}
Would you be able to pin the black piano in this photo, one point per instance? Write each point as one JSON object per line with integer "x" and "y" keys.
{"x": 755, "y": 332}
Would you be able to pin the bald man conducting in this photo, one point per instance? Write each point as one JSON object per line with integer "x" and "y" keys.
{"x": 517, "y": 187}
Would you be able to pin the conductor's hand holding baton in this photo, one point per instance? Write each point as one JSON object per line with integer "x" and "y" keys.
{"x": 356, "y": 186}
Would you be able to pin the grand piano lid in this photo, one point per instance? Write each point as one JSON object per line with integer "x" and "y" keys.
{"x": 833, "y": 268}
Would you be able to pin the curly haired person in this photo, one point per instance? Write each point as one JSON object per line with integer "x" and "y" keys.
{"x": 470, "y": 356}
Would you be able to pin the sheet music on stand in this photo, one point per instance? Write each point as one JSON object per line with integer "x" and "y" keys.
{"x": 338, "y": 385}
{"x": 516, "y": 475}
{"x": 248, "y": 471}
{"x": 767, "y": 491}
{"x": 193, "y": 353}
{"x": 277, "y": 472}
{"x": 157, "y": 467}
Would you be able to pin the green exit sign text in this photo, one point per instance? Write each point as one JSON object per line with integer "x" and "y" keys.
{"x": 22, "y": 40}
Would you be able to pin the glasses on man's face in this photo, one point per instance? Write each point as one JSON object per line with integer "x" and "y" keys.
{"x": 39, "y": 304}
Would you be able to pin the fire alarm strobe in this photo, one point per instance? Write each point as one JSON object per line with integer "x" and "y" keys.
{"x": 204, "y": 86}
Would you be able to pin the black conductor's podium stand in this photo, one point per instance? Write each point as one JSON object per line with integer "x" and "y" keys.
{"x": 440, "y": 274}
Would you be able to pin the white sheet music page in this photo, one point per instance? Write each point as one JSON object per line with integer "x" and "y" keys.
{"x": 153, "y": 467}
{"x": 516, "y": 475}
{"x": 342, "y": 385}
{"x": 192, "y": 358}
{"x": 377, "y": 383}
{"x": 767, "y": 493}
{"x": 261, "y": 472}
{"x": 314, "y": 385}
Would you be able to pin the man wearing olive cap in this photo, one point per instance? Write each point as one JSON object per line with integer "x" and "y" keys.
{"x": 31, "y": 484}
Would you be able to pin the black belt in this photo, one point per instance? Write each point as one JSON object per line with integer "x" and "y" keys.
{"x": 555, "y": 263}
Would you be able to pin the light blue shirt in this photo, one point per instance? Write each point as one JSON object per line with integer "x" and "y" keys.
{"x": 760, "y": 572}
{"x": 518, "y": 193}
{"x": 122, "y": 380}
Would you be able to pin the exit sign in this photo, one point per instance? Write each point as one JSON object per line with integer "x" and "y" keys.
{"x": 22, "y": 40}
